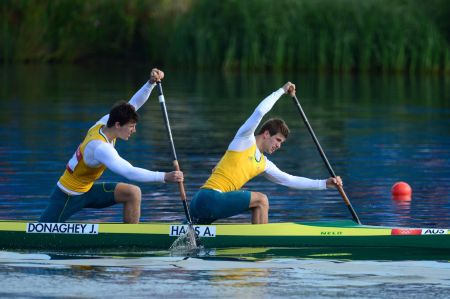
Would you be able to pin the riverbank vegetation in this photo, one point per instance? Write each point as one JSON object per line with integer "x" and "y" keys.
{"x": 328, "y": 35}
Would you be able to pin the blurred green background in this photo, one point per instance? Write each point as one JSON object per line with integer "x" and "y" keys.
{"x": 323, "y": 35}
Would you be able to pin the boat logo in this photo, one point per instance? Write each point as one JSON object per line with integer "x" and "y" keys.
{"x": 331, "y": 233}
{"x": 434, "y": 231}
{"x": 200, "y": 230}
{"x": 419, "y": 231}
{"x": 63, "y": 228}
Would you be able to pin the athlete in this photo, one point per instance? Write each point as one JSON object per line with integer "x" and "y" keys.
{"x": 77, "y": 187}
{"x": 221, "y": 197}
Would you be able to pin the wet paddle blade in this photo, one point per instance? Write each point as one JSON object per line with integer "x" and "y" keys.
{"x": 185, "y": 244}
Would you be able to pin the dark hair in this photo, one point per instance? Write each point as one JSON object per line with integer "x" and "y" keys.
{"x": 274, "y": 126}
{"x": 123, "y": 113}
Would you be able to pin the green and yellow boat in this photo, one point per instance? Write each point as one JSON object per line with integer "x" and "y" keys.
{"x": 18, "y": 235}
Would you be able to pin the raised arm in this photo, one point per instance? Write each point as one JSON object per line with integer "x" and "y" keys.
{"x": 246, "y": 132}
{"x": 142, "y": 95}
{"x": 250, "y": 125}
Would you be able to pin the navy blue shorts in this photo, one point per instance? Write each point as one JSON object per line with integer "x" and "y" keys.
{"x": 62, "y": 205}
{"x": 209, "y": 205}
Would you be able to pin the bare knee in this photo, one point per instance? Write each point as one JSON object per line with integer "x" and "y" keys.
{"x": 127, "y": 193}
{"x": 259, "y": 200}
{"x": 135, "y": 194}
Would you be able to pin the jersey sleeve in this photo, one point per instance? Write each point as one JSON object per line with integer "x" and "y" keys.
{"x": 108, "y": 156}
{"x": 274, "y": 174}
{"x": 137, "y": 100}
{"x": 245, "y": 135}
{"x": 142, "y": 95}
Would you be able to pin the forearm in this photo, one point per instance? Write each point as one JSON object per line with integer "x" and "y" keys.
{"x": 296, "y": 182}
{"x": 125, "y": 169}
{"x": 249, "y": 127}
{"x": 279, "y": 177}
{"x": 108, "y": 156}
{"x": 268, "y": 102}
{"x": 137, "y": 100}
{"x": 142, "y": 95}
{"x": 141, "y": 175}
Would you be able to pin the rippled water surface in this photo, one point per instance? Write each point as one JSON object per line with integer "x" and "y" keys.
{"x": 375, "y": 130}
{"x": 159, "y": 275}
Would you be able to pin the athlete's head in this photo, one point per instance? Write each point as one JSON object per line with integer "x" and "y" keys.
{"x": 273, "y": 132}
{"x": 122, "y": 113}
{"x": 274, "y": 126}
{"x": 123, "y": 117}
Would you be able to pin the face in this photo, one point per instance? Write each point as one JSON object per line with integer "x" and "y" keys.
{"x": 272, "y": 143}
{"x": 124, "y": 132}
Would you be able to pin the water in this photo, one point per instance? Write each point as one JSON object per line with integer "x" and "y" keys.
{"x": 375, "y": 130}
{"x": 158, "y": 276}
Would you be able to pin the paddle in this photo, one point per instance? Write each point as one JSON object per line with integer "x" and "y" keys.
{"x": 175, "y": 163}
{"x": 325, "y": 160}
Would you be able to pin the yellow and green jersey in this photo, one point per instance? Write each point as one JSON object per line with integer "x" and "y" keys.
{"x": 78, "y": 176}
{"x": 235, "y": 169}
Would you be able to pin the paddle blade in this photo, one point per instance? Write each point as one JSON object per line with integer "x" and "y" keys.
{"x": 185, "y": 244}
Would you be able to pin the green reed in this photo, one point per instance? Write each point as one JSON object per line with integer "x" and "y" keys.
{"x": 323, "y": 35}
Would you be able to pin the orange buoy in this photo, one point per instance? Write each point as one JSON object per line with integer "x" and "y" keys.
{"x": 401, "y": 191}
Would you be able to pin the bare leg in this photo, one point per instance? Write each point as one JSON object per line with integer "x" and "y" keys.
{"x": 259, "y": 204}
{"x": 130, "y": 196}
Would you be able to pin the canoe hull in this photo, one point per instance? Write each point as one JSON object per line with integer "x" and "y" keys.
{"x": 90, "y": 236}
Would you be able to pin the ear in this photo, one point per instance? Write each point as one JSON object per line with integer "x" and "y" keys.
{"x": 266, "y": 134}
{"x": 117, "y": 125}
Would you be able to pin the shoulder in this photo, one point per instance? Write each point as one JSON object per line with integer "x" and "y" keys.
{"x": 242, "y": 143}
{"x": 99, "y": 145}
{"x": 270, "y": 166}
{"x": 94, "y": 144}
{"x": 97, "y": 126}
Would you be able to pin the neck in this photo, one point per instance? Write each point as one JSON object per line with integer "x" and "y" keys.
{"x": 109, "y": 133}
{"x": 259, "y": 141}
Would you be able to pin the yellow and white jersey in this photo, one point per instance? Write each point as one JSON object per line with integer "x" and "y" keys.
{"x": 235, "y": 169}
{"x": 78, "y": 176}
{"x": 243, "y": 161}
{"x": 96, "y": 153}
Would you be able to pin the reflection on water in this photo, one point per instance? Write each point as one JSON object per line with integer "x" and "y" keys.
{"x": 375, "y": 130}
{"x": 177, "y": 277}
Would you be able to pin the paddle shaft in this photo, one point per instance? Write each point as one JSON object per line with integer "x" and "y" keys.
{"x": 174, "y": 153}
{"x": 325, "y": 160}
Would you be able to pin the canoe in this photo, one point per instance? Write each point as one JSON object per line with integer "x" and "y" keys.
{"x": 324, "y": 234}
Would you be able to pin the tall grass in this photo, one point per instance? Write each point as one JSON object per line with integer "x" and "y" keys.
{"x": 333, "y": 35}
{"x": 328, "y": 35}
